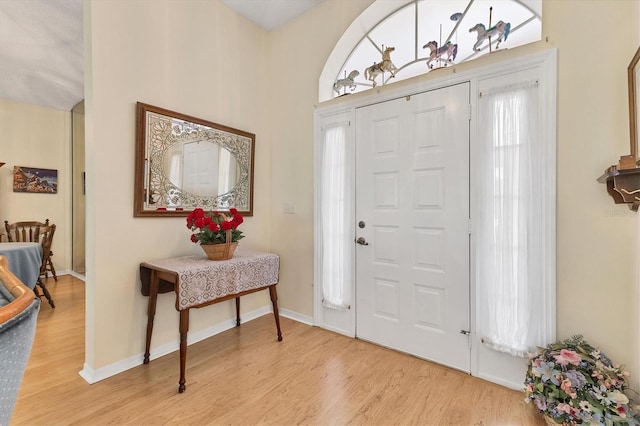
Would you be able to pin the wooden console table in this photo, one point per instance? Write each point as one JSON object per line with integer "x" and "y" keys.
{"x": 198, "y": 281}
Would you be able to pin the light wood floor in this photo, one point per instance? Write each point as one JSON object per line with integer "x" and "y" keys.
{"x": 245, "y": 377}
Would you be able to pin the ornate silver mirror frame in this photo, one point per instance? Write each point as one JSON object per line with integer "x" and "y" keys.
{"x": 184, "y": 162}
{"x": 634, "y": 103}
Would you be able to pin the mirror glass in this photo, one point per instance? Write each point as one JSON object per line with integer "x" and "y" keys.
{"x": 201, "y": 167}
{"x": 184, "y": 162}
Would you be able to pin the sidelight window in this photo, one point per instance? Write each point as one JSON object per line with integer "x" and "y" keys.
{"x": 512, "y": 243}
{"x": 336, "y": 232}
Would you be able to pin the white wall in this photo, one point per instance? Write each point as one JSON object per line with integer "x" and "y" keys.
{"x": 34, "y": 136}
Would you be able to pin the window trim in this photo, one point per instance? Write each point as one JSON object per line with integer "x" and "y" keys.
{"x": 359, "y": 30}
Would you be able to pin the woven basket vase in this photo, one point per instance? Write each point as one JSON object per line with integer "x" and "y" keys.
{"x": 220, "y": 251}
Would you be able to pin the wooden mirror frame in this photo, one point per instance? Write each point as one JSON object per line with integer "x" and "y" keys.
{"x": 231, "y": 139}
{"x": 633, "y": 73}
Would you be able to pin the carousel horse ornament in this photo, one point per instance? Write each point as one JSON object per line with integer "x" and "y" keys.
{"x": 347, "y": 82}
{"x": 374, "y": 70}
{"x": 502, "y": 29}
{"x": 449, "y": 49}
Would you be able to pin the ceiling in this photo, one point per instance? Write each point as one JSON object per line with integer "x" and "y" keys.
{"x": 41, "y": 45}
{"x": 271, "y": 14}
{"x": 41, "y": 54}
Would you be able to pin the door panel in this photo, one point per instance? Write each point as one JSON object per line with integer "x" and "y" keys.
{"x": 412, "y": 174}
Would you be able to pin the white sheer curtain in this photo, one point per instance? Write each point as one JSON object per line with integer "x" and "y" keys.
{"x": 511, "y": 239}
{"x": 337, "y": 237}
{"x": 175, "y": 169}
{"x": 224, "y": 171}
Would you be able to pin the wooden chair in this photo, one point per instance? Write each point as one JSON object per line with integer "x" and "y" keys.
{"x": 29, "y": 232}
{"x": 46, "y": 239}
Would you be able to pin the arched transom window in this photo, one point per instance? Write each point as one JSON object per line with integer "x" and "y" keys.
{"x": 424, "y": 35}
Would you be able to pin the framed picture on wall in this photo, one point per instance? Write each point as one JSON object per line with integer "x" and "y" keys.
{"x": 29, "y": 179}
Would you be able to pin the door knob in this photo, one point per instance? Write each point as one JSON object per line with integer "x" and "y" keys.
{"x": 362, "y": 241}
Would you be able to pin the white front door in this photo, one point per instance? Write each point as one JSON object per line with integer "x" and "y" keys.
{"x": 412, "y": 219}
{"x": 199, "y": 171}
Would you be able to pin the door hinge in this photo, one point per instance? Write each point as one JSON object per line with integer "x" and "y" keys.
{"x": 469, "y": 112}
{"x": 469, "y": 227}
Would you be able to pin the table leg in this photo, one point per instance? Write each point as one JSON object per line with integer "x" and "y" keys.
{"x": 274, "y": 299}
{"x": 184, "y": 328}
{"x": 151, "y": 312}
{"x": 237, "y": 312}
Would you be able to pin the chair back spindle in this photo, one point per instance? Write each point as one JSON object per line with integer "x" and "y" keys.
{"x": 24, "y": 231}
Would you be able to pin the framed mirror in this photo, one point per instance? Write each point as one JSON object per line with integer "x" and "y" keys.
{"x": 184, "y": 162}
{"x": 634, "y": 103}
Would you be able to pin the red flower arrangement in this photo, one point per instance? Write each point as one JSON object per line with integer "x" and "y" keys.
{"x": 211, "y": 227}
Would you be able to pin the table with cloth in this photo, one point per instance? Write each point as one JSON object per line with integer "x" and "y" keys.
{"x": 24, "y": 261}
{"x": 198, "y": 281}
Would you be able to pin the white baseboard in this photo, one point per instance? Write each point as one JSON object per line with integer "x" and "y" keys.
{"x": 93, "y": 376}
{"x": 87, "y": 373}
{"x": 74, "y": 274}
{"x": 519, "y": 386}
{"x": 337, "y": 330}
{"x": 295, "y": 316}
{"x": 70, "y": 272}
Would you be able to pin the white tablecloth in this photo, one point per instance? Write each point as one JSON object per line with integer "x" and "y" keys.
{"x": 201, "y": 280}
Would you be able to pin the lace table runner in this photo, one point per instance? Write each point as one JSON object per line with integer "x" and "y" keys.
{"x": 201, "y": 280}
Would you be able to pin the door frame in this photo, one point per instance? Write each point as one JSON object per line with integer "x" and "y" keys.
{"x": 344, "y": 108}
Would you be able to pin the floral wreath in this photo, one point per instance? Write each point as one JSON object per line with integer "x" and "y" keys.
{"x": 574, "y": 383}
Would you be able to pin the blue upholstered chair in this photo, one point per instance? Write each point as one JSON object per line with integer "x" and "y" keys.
{"x": 18, "y": 314}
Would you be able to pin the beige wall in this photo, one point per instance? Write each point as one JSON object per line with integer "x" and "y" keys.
{"x": 636, "y": 366}
{"x": 596, "y": 248}
{"x": 298, "y": 53}
{"x": 596, "y": 280}
{"x": 202, "y": 59}
{"x": 79, "y": 206}
{"x": 34, "y": 136}
{"x": 196, "y": 57}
